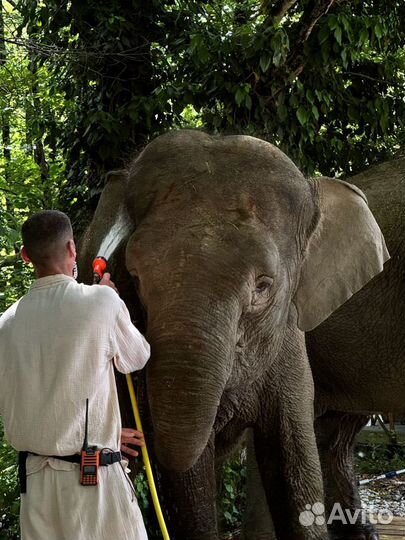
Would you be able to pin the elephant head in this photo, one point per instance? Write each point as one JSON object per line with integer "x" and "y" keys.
{"x": 231, "y": 249}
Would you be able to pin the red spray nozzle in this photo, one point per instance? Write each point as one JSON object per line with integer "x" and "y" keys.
{"x": 99, "y": 267}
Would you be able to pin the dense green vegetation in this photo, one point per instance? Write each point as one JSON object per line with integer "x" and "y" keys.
{"x": 84, "y": 84}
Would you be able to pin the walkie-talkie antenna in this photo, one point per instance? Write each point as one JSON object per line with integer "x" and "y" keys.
{"x": 85, "y": 442}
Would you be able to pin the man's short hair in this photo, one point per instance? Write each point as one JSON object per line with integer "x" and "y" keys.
{"x": 45, "y": 236}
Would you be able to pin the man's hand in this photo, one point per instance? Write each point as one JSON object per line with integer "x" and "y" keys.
{"x": 106, "y": 280}
{"x": 131, "y": 437}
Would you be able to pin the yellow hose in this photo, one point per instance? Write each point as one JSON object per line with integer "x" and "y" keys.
{"x": 146, "y": 461}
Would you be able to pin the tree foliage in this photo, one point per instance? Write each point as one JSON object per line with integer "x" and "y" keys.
{"x": 102, "y": 55}
{"x": 322, "y": 79}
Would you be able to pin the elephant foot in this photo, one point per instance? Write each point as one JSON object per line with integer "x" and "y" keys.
{"x": 357, "y": 531}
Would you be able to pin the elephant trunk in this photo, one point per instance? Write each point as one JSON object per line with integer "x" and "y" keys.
{"x": 190, "y": 365}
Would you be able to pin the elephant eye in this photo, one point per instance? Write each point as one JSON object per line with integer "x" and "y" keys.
{"x": 263, "y": 283}
{"x": 262, "y": 289}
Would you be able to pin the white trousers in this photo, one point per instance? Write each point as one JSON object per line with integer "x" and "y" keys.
{"x": 57, "y": 507}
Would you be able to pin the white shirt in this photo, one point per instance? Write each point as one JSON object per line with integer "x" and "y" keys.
{"x": 57, "y": 348}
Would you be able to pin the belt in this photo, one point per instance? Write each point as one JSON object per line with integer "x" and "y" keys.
{"x": 106, "y": 458}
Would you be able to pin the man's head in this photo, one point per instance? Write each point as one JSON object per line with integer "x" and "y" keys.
{"x": 48, "y": 242}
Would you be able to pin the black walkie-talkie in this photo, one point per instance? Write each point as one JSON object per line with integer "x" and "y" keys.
{"x": 89, "y": 458}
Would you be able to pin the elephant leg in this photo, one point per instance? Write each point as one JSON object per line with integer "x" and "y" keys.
{"x": 257, "y": 521}
{"x": 291, "y": 474}
{"x": 190, "y": 499}
{"x": 336, "y": 434}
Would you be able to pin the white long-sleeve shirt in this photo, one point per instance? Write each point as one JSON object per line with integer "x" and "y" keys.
{"x": 57, "y": 348}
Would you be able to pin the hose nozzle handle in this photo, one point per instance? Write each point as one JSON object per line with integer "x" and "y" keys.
{"x": 99, "y": 267}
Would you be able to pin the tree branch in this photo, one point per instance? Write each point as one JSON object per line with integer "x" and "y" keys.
{"x": 295, "y": 62}
{"x": 364, "y": 76}
{"x": 281, "y": 9}
{"x": 320, "y": 9}
{"x": 318, "y": 12}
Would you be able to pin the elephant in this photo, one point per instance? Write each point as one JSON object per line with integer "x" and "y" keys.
{"x": 362, "y": 345}
{"x": 234, "y": 255}
{"x": 357, "y": 358}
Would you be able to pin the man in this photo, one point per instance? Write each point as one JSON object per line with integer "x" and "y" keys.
{"x": 58, "y": 344}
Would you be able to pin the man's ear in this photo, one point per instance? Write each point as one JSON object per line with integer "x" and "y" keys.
{"x": 72, "y": 248}
{"x": 24, "y": 255}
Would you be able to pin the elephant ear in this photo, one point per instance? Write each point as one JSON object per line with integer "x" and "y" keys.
{"x": 346, "y": 250}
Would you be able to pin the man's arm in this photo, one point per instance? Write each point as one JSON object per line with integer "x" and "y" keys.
{"x": 132, "y": 349}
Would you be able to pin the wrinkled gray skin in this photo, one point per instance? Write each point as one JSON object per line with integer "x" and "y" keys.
{"x": 358, "y": 360}
{"x": 232, "y": 250}
{"x": 358, "y": 354}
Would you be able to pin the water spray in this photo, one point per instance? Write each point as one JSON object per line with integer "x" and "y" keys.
{"x": 99, "y": 268}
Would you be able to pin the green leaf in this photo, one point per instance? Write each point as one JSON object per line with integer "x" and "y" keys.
{"x": 229, "y": 488}
{"x": 240, "y": 96}
{"x": 346, "y": 24}
{"x": 378, "y": 31}
{"x": 310, "y": 96}
{"x": 318, "y": 94}
{"x": 277, "y": 57}
{"x": 265, "y": 60}
{"x": 384, "y": 123}
{"x": 302, "y": 115}
{"x": 338, "y": 35}
{"x": 363, "y": 38}
{"x": 294, "y": 101}
{"x": 332, "y": 22}
{"x": 343, "y": 56}
{"x": 315, "y": 112}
